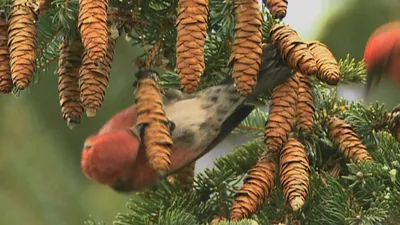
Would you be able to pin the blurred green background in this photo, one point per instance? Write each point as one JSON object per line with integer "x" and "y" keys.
{"x": 42, "y": 182}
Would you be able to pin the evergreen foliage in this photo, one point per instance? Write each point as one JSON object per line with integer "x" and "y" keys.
{"x": 340, "y": 193}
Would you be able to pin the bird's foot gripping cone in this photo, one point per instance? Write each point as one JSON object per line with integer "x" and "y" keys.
{"x": 152, "y": 123}
{"x": 108, "y": 157}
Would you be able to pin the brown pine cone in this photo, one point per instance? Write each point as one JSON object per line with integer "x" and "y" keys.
{"x": 294, "y": 173}
{"x": 277, "y": 8}
{"x": 70, "y": 60}
{"x": 349, "y": 143}
{"x": 247, "y": 45}
{"x": 282, "y": 114}
{"x": 94, "y": 79}
{"x": 328, "y": 67}
{"x": 92, "y": 25}
{"x": 191, "y": 36}
{"x": 256, "y": 188}
{"x": 293, "y": 50}
{"x": 217, "y": 219}
{"x": 393, "y": 121}
{"x": 150, "y": 112}
{"x": 6, "y": 84}
{"x": 22, "y": 42}
{"x": 305, "y": 105}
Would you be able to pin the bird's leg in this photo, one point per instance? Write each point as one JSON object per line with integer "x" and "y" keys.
{"x": 138, "y": 130}
{"x": 172, "y": 126}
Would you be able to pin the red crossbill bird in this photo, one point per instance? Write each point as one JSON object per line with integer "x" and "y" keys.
{"x": 382, "y": 54}
{"x": 116, "y": 157}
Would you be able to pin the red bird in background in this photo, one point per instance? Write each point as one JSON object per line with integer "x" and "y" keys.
{"x": 382, "y": 54}
{"x": 115, "y": 156}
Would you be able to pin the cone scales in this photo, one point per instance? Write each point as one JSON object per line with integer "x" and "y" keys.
{"x": 6, "y": 83}
{"x": 150, "y": 111}
{"x": 347, "y": 140}
{"x": 294, "y": 173}
{"x": 185, "y": 176}
{"x": 393, "y": 121}
{"x": 217, "y": 219}
{"x": 247, "y": 45}
{"x": 277, "y": 8}
{"x": 293, "y": 50}
{"x": 94, "y": 80}
{"x": 69, "y": 62}
{"x": 191, "y": 35}
{"x": 328, "y": 67}
{"x": 282, "y": 114}
{"x": 22, "y": 42}
{"x": 305, "y": 105}
{"x": 92, "y": 25}
{"x": 256, "y": 188}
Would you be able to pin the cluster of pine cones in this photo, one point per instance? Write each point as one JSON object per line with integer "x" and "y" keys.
{"x": 84, "y": 63}
{"x": 292, "y": 113}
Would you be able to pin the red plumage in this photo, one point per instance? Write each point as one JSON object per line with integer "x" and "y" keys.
{"x": 109, "y": 157}
{"x": 115, "y": 157}
{"x": 382, "y": 54}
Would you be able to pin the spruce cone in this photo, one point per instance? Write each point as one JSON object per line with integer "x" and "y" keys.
{"x": 6, "y": 83}
{"x": 293, "y": 50}
{"x": 185, "y": 176}
{"x": 328, "y": 67}
{"x": 256, "y": 188}
{"x": 282, "y": 114}
{"x": 150, "y": 111}
{"x": 191, "y": 36}
{"x": 305, "y": 105}
{"x": 94, "y": 80}
{"x": 92, "y": 24}
{"x": 217, "y": 219}
{"x": 294, "y": 173}
{"x": 22, "y": 42}
{"x": 277, "y": 8}
{"x": 247, "y": 45}
{"x": 349, "y": 143}
{"x": 394, "y": 123}
{"x": 70, "y": 60}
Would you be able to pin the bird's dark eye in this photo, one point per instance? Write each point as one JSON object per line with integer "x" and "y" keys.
{"x": 87, "y": 146}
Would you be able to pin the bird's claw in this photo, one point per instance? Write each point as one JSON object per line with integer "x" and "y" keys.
{"x": 138, "y": 130}
{"x": 171, "y": 125}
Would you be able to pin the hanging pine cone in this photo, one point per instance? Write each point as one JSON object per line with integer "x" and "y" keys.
{"x": 185, "y": 176}
{"x": 305, "y": 105}
{"x": 328, "y": 67}
{"x": 191, "y": 36}
{"x": 256, "y": 188}
{"x": 92, "y": 24}
{"x": 247, "y": 45}
{"x": 217, "y": 219}
{"x": 294, "y": 173}
{"x": 277, "y": 8}
{"x": 282, "y": 114}
{"x": 150, "y": 111}
{"x": 349, "y": 143}
{"x": 22, "y": 42}
{"x": 94, "y": 79}
{"x": 69, "y": 62}
{"x": 6, "y": 83}
{"x": 293, "y": 50}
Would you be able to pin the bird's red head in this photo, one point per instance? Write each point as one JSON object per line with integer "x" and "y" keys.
{"x": 109, "y": 157}
{"x": 382, "y": 53}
